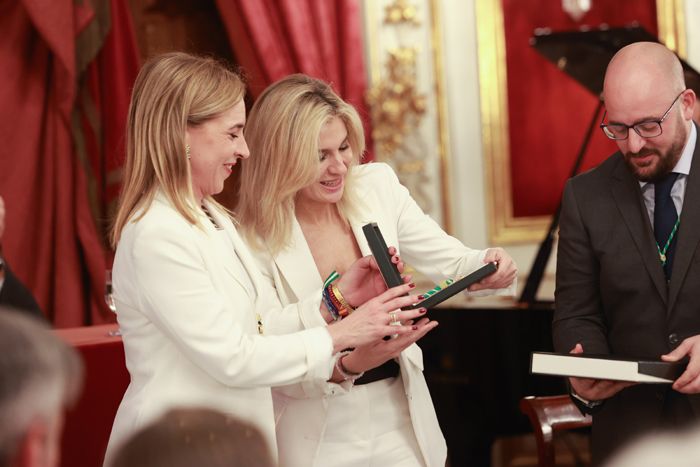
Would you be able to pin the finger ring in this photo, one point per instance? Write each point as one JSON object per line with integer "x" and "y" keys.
{"x": 392, "y": 314}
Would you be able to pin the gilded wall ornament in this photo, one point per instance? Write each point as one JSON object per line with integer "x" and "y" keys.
{"x": 396, "y": 106}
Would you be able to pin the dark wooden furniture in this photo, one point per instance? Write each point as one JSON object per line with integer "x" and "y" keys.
{"x": 549, "y": 415}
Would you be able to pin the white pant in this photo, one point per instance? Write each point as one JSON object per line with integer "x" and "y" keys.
{"x": 378, "y": 433}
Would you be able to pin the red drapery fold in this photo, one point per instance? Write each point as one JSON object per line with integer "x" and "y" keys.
{"x": 322, "y": 38}
{"x": 67, "y": 65}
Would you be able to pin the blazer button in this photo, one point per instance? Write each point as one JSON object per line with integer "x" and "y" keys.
{"x": 673, "y": 339}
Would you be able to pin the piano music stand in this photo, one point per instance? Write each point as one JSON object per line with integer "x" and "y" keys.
{"x": 584, "y": 55}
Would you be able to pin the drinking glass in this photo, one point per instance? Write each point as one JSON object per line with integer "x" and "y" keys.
{"x": 109, "y": 300}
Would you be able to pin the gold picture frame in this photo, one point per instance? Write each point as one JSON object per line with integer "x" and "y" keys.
{"x": 504, "y": 227}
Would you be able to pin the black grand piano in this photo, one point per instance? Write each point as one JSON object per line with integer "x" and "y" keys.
{"x": 477, "y": 369}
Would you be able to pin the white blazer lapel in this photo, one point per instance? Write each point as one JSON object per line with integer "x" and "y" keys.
{"x": 360, "y": 236}
{"x": 369, "y": 213}
{"x": 296, "y": 264}
{"x": 239, "y": 248}
{"x": 388, "y": 235}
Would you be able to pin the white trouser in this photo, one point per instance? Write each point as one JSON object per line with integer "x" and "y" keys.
{"x": 370, "y": 427}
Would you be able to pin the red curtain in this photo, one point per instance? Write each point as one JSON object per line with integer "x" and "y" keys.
{"x": 322, "y": 38}
{"x": 549, "y": 111}
{"x": 68, "y": 70}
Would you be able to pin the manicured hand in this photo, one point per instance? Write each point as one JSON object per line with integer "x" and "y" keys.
{"x": 372, "y": 355}
{"x": 376, "y": 319}
{"x": 363, "y": 280}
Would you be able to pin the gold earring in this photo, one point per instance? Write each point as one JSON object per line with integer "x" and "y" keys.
{"x": 187, "y": 151}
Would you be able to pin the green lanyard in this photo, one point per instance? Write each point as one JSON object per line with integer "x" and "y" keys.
{"x": 662, "y": 253}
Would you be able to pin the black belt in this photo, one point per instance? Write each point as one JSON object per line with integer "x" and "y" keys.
{"x": 388, "y": 369}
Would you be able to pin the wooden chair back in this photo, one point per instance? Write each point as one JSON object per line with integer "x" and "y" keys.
{"x": 549, "y": 415}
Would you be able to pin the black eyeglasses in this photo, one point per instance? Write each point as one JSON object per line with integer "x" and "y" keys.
{"x": 645, "y": 129}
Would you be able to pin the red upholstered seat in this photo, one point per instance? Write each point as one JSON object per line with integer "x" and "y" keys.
{"x": 89, "y": 423}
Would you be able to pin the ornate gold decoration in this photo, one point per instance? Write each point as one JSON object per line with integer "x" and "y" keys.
{"x": 401, "y": 12}
{"x": 398, "y": 108}
{"x": 503, "y": 226}
{"x": 395, "y": 105}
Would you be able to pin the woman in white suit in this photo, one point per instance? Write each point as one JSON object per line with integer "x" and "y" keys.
{"x": 191, "y": 304}
{"x": 305, "y": 177}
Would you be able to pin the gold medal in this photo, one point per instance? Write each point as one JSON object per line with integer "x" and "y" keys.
{"x": 663, "y": 257}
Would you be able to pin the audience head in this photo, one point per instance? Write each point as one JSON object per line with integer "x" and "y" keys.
{"x": 644, "y": 83}
{"x": 304, "y": 139}
{"x": 184, "y": 133}
{"x": 195, "y": 437}
{"x": 39, "y": 376}
{"x": 672, "y": 448}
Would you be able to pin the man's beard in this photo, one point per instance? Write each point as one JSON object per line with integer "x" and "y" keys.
{"x": 667, "y": 160}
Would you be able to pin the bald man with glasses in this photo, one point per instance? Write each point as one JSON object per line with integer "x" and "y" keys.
{"x": 628, "y": 262}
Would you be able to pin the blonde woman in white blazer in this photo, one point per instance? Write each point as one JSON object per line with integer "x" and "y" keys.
{"x": 316, "y": 198}
{"x": 191, "y": 304}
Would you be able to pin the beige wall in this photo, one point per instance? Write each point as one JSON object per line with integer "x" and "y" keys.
{"x": 692, "y": 19}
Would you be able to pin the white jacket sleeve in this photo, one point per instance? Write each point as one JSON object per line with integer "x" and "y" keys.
{"x": 422, "y": 243}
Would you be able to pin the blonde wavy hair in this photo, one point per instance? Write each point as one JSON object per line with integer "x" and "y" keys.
{"x": 283, "y": 131}
{"x": 172, "y": 91}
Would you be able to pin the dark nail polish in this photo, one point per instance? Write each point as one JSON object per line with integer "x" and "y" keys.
{"x": 415, "y": 328}
{"x": 411, "y": 285}
{"x": 422, "y": 311}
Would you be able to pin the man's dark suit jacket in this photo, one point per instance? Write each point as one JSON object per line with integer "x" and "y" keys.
{"x": 612, "y": 296}
{"x": 14, "y": 294}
